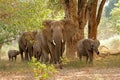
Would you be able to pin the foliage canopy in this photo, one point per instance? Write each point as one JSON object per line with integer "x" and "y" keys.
{"x": 116, "y": 16}
{"x": 109, "y": 7}
{"x": 17, "y": 16}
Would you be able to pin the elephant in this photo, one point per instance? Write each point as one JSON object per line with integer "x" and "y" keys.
{"x": 86, "y": 47}
{"x": 54, "y": 36}
{"x": 26, "y": 41}
{"x": 37, "y": 46}
{"x": 13, "y": 54}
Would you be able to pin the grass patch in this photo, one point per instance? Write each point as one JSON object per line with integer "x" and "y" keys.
{"x": 15, "y": 66}
{"x": 108, "y": 62}
{"x": 19, "y": 66}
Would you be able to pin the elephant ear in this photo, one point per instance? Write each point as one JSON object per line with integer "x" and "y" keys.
{"x": 69, "y": 29}
{"x": 97, "y": 42}
{"x": 47, "y": 29}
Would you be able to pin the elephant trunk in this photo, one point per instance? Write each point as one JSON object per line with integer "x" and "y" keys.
{"x": 57, "y": 41}
{"x": 57, "y": 53}
{"x": 58, "y": 50}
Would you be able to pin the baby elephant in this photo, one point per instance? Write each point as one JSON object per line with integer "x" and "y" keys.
{"x": 86, "y": 47}
{"x": 13, "y": 54}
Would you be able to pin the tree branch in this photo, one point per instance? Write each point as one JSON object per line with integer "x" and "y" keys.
{"x": 100, "y": 12}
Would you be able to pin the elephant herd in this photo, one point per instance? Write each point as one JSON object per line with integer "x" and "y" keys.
{"x": 48, "y": 44}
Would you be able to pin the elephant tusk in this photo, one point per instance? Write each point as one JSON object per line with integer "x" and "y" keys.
{"x": 62, "y": 41}
{"x": 54, "y": 42}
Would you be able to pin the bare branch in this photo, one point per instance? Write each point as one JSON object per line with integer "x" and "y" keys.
{"x": 100, "y": 12}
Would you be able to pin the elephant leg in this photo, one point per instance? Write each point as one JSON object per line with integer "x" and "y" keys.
{"x": 87, "y": 59}
{"x": 45, "y": 57}
{"x": 79, "y": 55}
{"x": 91, "y": 59}
{"x": 15, "y": 58}
{"x": 34, "y": 54}
{"x": 22, "y": 56}
{"x": 30, "y": 53}
{"x": 21, "y": 53}
{"x": 60, "y": 63}
{"x": 26, "y": 56}
{"x": 9, "y": 58}
{"x": 51, "y": 58}
{"x": 12, "y": 58}
{"x": 42, "y": 58}
{"x": 30, "y": 56}
{"x": 39, "y": 55}
{"x": 88, "y": 55}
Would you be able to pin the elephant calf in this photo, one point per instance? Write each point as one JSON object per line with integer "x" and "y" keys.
{"x": 13, "y": 54}
{"x": 86, "y": 47}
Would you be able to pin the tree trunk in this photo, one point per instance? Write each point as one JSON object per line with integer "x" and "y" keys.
{"x": 72, "y": 44}
{"x": 92, "y": 8}
{"x": 81, "y": 12}
{"x": 76, "y": 11}
{"x": 94, "y": 17}
{"x": 92, "y": 31}
{"x": 70, "y": 7}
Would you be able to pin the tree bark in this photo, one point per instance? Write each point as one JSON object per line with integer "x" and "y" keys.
{"x": 78, "y": 16}
{"x": 92, "y": 8}
{"x": 81, "y": 12}
{"x": 72, "y": 44}
{"x": 94, "y": 17}
{"x": 70, "y": 7}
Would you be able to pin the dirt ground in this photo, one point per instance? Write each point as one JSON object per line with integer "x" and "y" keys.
{"x": 70, "y": 74}
{"x": 105, "y": 69}
{"x": 90, "y": 74}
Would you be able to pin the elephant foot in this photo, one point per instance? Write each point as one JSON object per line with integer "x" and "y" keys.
{"x": 61, "y": 66}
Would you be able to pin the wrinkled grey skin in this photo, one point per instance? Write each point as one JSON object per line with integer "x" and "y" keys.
{"x": 12, "y": 54}
{"x": 25, "y": 43}
{"x": 54, "y": 36}
{"x": 86, "y": 47}
{"x": 37, "y": 47}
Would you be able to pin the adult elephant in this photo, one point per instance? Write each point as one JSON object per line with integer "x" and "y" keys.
{"x": 86, "y": 47}
{"x": 25, "y": 43}
{"x": 54, "y": 36}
